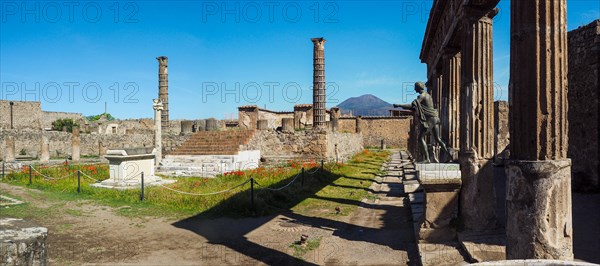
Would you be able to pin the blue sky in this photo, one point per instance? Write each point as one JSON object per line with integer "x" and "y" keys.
{"x": 77, "y": 56}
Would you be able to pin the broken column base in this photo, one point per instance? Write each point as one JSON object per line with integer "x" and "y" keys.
{"x": 22, "y": 243}
{"x": 538, "y": 207}
{"x": 441, "y": 184}
{"x": 477, "y": 197}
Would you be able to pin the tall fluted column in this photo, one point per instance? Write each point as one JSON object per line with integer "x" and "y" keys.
{"x": 158, "y": 108}
{"x": 451, "y": 99}
{"x": 163, "y": 90}
{"x": 478, "y": 206}
{"x": 319, "y": 101}
{"x": 538, "y": 200}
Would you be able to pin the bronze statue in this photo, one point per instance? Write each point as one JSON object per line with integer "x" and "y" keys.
{"x": 428, "y": 117}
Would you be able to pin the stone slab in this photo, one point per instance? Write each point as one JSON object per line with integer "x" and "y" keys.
{"x": 412, "y": 186}
{"x": 22, "y": 243}
{"x": 440, "y": 254}
{"x": 437, "y": 167}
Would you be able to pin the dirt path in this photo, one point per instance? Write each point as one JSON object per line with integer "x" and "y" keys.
{"x": 378, "y": 232}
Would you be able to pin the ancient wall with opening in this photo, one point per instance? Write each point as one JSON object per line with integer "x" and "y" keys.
{"x": 584, "y": 54}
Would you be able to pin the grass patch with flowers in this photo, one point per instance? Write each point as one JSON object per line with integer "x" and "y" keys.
{"x": 338, "y": 185}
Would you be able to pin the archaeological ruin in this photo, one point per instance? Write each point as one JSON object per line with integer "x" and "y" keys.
{"x": 504, "y": 190}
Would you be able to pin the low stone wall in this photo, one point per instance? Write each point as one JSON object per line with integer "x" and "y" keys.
{"x": 30, "y": 141}
{"x": 49, "y": 117}
{"x": 276, "y": 145}
{"x": 393, "y": 130}
{"x": 342, "y": 146}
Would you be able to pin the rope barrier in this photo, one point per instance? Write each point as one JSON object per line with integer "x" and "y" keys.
{"x": 316, "y": 170}
{"x": 204, "y": 194}
{"x": 84, "y": 174}
{"x": 277, "y": 189}
{"x": 49, "y": 177}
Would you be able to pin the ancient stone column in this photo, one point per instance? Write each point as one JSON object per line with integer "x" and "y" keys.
{"x": 45, "y": 150}
{"x": 75, "y": 145}
{"x": 9, "y": 149}
{"x": 478, "y": 204}
{"x": 538, "y": 200}
{"x": 158, "y": 107}
{"x": 359, "y": 124}
{"x": 335, "y": 118}
{"x": 319, "y": 101}
{"x": 163, "y": 90}
{"x": 211, "y": 124}
{"x": 287, "y": 124}
{"x": 451, "y": 97}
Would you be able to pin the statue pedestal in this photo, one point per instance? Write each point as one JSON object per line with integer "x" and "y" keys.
{"x": 127, "y": 166}
{"x": 441, "y": 184}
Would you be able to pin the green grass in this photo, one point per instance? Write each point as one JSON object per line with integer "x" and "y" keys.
{"x": 339, "y": 185}
{"x": 301, "y": 250}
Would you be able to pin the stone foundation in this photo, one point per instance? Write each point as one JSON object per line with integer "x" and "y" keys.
{"x": 477, "y": 198}
{"x": 22, "y": 243}
{"x": 538, "y": 201}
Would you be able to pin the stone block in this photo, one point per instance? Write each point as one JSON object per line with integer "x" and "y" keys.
{"x": 22, "y": 243}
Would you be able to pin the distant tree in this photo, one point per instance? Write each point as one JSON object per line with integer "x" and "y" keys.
{"x": 58, "y": 124}
{"x": 108, "y": 116}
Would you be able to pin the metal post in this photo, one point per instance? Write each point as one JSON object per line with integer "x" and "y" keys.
{"x": 2, "y": 169}
{"x": 78, "y": 181}
{"x": 322, "y": 167}
{"x": 252, "y": 193}
{"x": 30, "y": 174}
{"x": 302, "y": 176}
{"x": 142, "y": 192}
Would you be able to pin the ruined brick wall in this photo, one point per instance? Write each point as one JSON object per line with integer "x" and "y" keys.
{"x": 248, "y": 117}
{"x": 501, "y": 135}
{"x": 274, "y": 118}
{"x": 49, "y": 117}
{"x": 25, "y": 115}
{"x": 394, "y": 130}
{"x": 584, "y": 54}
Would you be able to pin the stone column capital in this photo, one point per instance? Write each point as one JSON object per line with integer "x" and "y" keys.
{"x": 163, "y": 60}
{"x": 473, "y": 14}
{"x": 157, "y": 104}
{"x": 319, "y": 42}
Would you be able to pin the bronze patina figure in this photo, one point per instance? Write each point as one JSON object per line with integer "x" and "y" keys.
{"x": 428, "y": 118}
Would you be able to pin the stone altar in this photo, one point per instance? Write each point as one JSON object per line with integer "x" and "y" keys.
{"x": 126, "y": 167}
{"x": 441, "y": 183}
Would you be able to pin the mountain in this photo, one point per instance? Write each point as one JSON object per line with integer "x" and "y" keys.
{"x": 366, "y": 105}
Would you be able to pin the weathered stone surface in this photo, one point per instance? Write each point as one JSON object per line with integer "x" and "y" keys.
{"x": 477, "y": 197}
{"x": 287, "y": 124}
{"x": 484, "y": 246}
{"x": 584, "y": 67}
{"x": 212, "y": 124}
{"x": 9, "y": 149}
{"x": 262, "y": 124}
{"x": 533, "y": 263}
{"x": 539, "y": 175}
{"x": 45, "y": 150}
{"x": 394, "y": 130}
{"x": 440, "y": 202}
{"x": 451, "y": 98}
{"x": 538, "y": 203}
{"x": 319, "y": 97}
{"x": 22, "y": 243}
{"x": 75, "y": 145}
{"x": 163, "y": 90}
{"x": 502, "y": 134}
